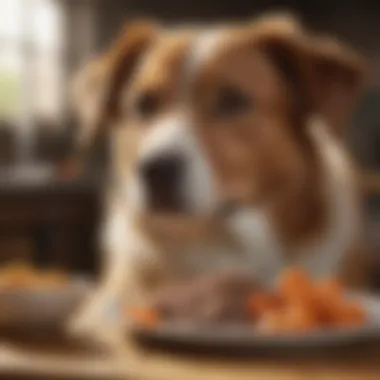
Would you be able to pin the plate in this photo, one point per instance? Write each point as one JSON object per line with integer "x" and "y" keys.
{"x": 41, "y": 307}
{"x": 246, "y": 337}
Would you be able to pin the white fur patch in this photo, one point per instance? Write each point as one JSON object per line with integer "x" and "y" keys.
{"x": 203, "y": 49}
{"x": 169, "y": 135}
{"x": 121, "y": 236}
{"x": 205, "y": 46}
{"x": 325, "y": 256}
{"x": 263, "y": 252}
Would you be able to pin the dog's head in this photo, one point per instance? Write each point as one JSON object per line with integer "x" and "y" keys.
{"x": 202, "y": 117}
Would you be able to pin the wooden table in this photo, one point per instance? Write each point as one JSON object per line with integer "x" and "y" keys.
{"x": 52, "y": 355}
{"x": 18, "y": 364}
{"x": 20, "y": 360}
{"x": 353, "y": 363}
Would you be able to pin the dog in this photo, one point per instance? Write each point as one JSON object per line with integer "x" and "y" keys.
{"x": 226, "y": 152}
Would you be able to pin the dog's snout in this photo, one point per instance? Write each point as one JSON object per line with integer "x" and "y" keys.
{"x": 162, "y": 177}
{"x": 162, "y": 170}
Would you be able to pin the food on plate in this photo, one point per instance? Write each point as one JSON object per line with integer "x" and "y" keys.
{"x": 260, "y": 302}
{"x": 218, "y": 298}
{"x": 23, "y": 276}
{"x": 297, "y": 304}
{"x": 307, "y": 305}
{"x": 294, "y": 285}
{"x": 146, "y": 316}
{"x": 292, "y": 318}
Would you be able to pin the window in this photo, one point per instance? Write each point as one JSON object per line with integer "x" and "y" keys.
{"x": 31, "y": 64}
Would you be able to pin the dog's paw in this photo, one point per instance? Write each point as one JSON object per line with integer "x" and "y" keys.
{"x": 95, "y": 319}
{"x": 82, "y": 325}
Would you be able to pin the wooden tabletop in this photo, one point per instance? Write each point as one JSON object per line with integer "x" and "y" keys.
{"x": 136, "y": 361}
{"x": 352, "y": 363}
{"x": 15, "y": 363}
{"x": 52, "y": 355}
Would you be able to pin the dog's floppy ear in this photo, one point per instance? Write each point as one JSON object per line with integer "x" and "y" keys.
{"x": 100, "y": 83}
{"x": 340, "y": 76}
{"x": 325, "y": 76}
{"x": 122, "y": 58}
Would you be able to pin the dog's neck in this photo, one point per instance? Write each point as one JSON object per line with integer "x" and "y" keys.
{"x": 322, "y": 252}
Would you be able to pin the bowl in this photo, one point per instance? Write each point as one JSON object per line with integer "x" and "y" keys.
{"x": 41, "y": 307}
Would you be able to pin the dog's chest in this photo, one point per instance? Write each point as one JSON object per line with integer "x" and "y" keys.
{"x": 255, "y": 249}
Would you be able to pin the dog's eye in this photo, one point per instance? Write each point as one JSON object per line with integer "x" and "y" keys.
{"x": 147, "y": 104}
{"x": 230, "y": 102}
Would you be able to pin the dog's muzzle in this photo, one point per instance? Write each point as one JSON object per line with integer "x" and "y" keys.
{"x": 162, "y": 178}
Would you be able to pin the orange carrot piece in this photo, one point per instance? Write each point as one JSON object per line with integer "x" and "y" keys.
{"x": 144, "y": 316}
{"x": 295, "y": 286}
{"x": 261, "y": 302}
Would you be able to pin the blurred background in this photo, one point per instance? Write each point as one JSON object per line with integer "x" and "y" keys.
{"x": 51, "y": 220}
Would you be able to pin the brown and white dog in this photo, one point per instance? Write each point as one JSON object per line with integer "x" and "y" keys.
{"x": 226, "y": 153}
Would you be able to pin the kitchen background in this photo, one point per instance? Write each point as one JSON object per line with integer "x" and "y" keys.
{"x": 52, "y": 220}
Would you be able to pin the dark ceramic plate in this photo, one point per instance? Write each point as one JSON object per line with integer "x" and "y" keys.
{"x": 248, "y": 337}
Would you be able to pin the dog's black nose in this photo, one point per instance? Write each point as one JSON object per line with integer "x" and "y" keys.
{"x": 162, "y": 176}
{"x": 162, "y": 170}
